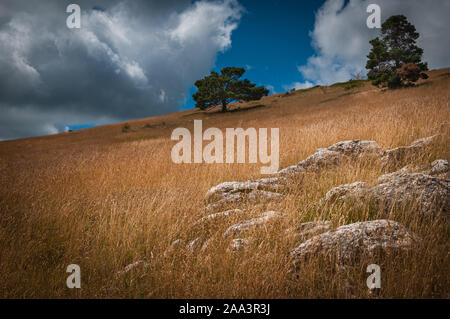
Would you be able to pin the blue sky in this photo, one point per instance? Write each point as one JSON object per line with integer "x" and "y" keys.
{"x": 271, "y": 41}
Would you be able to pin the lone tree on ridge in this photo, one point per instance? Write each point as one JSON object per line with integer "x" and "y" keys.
{"x": 224, "y": 88}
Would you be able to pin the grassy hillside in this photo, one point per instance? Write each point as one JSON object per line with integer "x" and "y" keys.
{"x": 103, "y": 199}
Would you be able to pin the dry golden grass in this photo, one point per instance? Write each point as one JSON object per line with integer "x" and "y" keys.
{"x": 104, "y": 199}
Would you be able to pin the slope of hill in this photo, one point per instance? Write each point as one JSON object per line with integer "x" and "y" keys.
{"x": 104, "y": 199}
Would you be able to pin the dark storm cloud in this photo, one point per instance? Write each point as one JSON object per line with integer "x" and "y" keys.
{"x": 130, "y": 59}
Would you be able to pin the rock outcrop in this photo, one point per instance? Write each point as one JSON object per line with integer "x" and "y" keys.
{"x": 216, "y": 216}
{"x": 223, "y": 190}
{"x": 439, "y": 168}
{"x": 239, "y": 228}
{"x": 424, "y": 188}
{"x": 346, "y": 192}
{"x": 243, "y": 197}
{"x": 307, "y": 230}
{"x": 239, "y": 244}
{"x": 402, "y": 153}
{"x": 427, "y": 194}
{"x": 197, "y": 244}
{"x": 347, "y": 243}
{"x": 430, "y": 195}
{"x": 334, "y": 155}
{"x": 229, "y": 194}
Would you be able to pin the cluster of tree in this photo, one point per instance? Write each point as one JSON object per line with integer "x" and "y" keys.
{"x": 394, "y": 61}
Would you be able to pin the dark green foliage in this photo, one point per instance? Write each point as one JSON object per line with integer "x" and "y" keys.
{"x": 222, "y": 89}
{"x": 395, "y": 48}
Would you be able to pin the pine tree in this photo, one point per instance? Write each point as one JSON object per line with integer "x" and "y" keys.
{"x": 395, "y": 59}
{"x": 222, "y": 89}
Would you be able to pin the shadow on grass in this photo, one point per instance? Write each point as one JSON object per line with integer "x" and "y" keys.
{"x": 336, "y": 98}
{"x": 218, "y": 111}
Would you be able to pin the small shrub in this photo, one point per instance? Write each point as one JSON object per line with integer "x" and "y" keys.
{"x": 409, "y": 73}
{"x": 126, "y": 128}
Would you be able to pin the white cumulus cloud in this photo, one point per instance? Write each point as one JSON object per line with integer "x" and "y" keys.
{"x": 341, "y": 37}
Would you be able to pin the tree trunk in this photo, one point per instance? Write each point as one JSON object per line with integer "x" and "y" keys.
{"x": 224, "y": 106}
